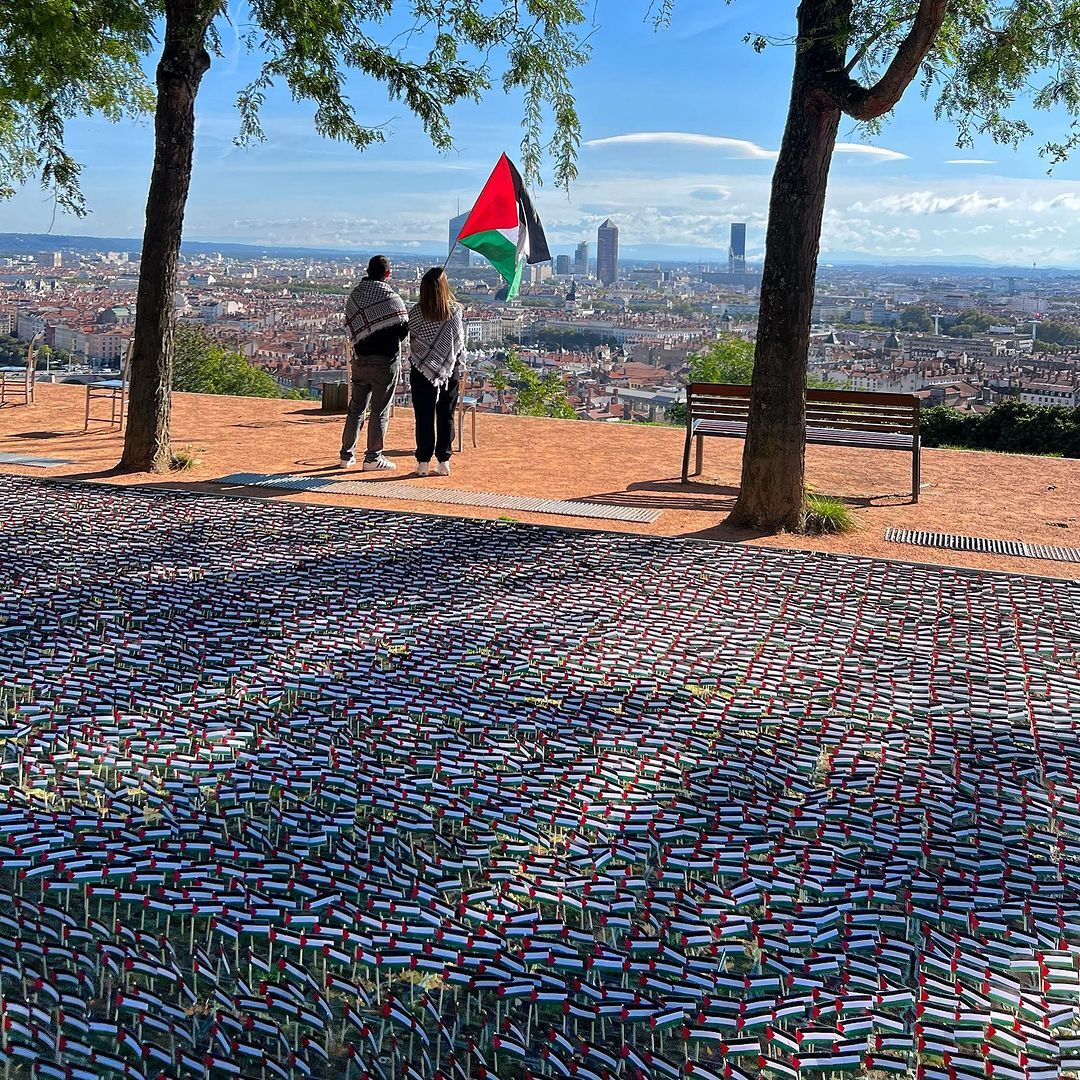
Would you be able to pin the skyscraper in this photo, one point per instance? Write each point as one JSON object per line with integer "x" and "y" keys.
{"x": 737, "y": 248}
{"x": 581, "y": 259}
{"x": 562, "y": 265}
{"x": 607, "y": 253}
{"x": 459, "y": 255}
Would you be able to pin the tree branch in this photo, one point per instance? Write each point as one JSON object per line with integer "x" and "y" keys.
{"x": 868, "y": 103}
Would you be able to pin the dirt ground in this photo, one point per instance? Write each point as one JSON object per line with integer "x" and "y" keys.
{"x": 1002, "y": 496}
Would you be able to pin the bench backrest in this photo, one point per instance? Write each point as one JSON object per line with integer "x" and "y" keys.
{"x": 851, "y": 410}
{"x": 31, "y": 355}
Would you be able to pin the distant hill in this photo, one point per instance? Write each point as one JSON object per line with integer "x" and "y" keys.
{"x": 12, "y": 244}
{"x": 16, "y": 244}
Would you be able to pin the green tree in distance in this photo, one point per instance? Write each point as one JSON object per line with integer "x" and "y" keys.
{"x": 731, "y": 360}
{"x": 978, "y": 60}
{"x": 12, "y": 351}
{"x": 1052, "y": 332}
{"x": 428, "y": 56}
{"x": 969, "y": 324}
{"x": 538, "y": 395}
{"x": 915, "y": 319}
{"x": 203, "y": 367}
{"x": 501, "y": 384}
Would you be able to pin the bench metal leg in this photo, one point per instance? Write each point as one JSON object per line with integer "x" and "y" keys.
{"x": 686, "y": 458}
{"x": 700, "y": 449}
{"x": 461, "y": 426}
{"x": 916, "y": 474}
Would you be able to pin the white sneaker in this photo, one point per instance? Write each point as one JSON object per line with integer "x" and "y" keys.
{"x": 442, "y": 468}
{"x": 422, "y": 468}
{"x": 380, "y": 464}
{"x": 347, "y": 460}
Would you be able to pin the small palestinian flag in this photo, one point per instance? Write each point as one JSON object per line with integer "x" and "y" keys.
{"x": 504, "y": 227}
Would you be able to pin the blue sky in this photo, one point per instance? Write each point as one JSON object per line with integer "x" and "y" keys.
{"x": 677, "y": 129}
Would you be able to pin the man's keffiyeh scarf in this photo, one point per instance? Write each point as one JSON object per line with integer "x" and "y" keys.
{"x": 372, "y": 306}
{"x": 436, "y": 348}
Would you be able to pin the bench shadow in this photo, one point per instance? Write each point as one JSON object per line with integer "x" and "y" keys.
{"x": 668, "y": 494}
{"x": 871, "y": 502}
{"x": 43, "y": 434}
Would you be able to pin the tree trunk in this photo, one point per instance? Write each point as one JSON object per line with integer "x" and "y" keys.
{"x": 184, "y": 61}
{"x": 771, "y": 494}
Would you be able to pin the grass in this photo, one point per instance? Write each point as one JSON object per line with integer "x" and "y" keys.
{"x": 956, "y": 447}
{"x": 823, "y": 514}
{"x": 183, "y": 459}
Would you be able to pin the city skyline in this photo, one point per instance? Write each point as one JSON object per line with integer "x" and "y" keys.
{"x": 662, "y": 165}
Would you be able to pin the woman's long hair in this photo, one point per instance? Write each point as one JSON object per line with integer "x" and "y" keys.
{"x": 436, "y": 296}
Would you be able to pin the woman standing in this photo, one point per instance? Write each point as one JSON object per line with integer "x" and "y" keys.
{"x": 437, "y": 360}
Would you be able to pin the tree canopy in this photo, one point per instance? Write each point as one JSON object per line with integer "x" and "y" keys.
{"x": 537, "y": 395}
{"x": 202, "y": 367}
{"x": 60, "y": 59}
{"x": 969, "y": 324}
{"x": 915, "y": 318}
{"x": 974, "y": 59}
{"x": 1053, "y": 332}
{"x": 63, "y": 58}
{"x": 731, "y": 360}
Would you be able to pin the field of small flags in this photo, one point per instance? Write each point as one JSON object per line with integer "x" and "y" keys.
{"x": 301, "y": 791}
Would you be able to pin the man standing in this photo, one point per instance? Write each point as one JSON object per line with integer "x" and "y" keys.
{"x": 378, "y": 322}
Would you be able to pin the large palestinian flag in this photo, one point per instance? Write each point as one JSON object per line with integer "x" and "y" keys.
{"x": 504, "y": 227}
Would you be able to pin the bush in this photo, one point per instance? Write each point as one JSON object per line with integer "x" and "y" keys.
{"x": 201, "y": 367}
{"x": 941, "y": 426}
{"x": 537, "y": 395}
{"x": 731, "y": 360}
{"x": 823, "y": 514}
{"x": 1011, "y": 426}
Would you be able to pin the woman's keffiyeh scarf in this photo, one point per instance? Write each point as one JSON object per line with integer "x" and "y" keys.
{"x": 436, "y": 348}
{"x": 372, "y": 306}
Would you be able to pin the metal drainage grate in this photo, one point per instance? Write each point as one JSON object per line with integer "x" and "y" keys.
{"x": 983, "y": 545}
{"x": 285, "y": 481}
{"x": 451, "y": 496}
{"x": 29, "y": 459}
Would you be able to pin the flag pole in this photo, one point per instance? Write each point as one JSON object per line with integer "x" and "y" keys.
{"x": 449, "y": 253}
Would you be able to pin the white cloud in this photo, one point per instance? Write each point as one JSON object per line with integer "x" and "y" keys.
{"x": 735, "y": 148}
{"x": 866, "y": 150}
{"x": 1070, "y": 201}
{"x": 970, "y": 161}
{"x": 922, "y": 203}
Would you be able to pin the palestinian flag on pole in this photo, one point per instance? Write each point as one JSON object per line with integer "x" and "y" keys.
{"x": 504, "y": 227}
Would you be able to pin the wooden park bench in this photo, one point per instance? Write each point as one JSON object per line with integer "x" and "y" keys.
{"x": 833, "y": 418}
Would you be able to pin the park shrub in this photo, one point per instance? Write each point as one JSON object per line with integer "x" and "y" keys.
{"x": 823, "y": 514}
{"x": 1011, "y": 426}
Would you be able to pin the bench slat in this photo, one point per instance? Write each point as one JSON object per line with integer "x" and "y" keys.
{"x": 833, "y": 417}
{"x": 839, "y": 436}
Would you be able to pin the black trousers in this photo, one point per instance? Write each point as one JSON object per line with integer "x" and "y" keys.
{"x": 434, "y": 418}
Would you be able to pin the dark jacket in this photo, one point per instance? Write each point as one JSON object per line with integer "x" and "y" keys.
{"x": 385, "y": 343}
